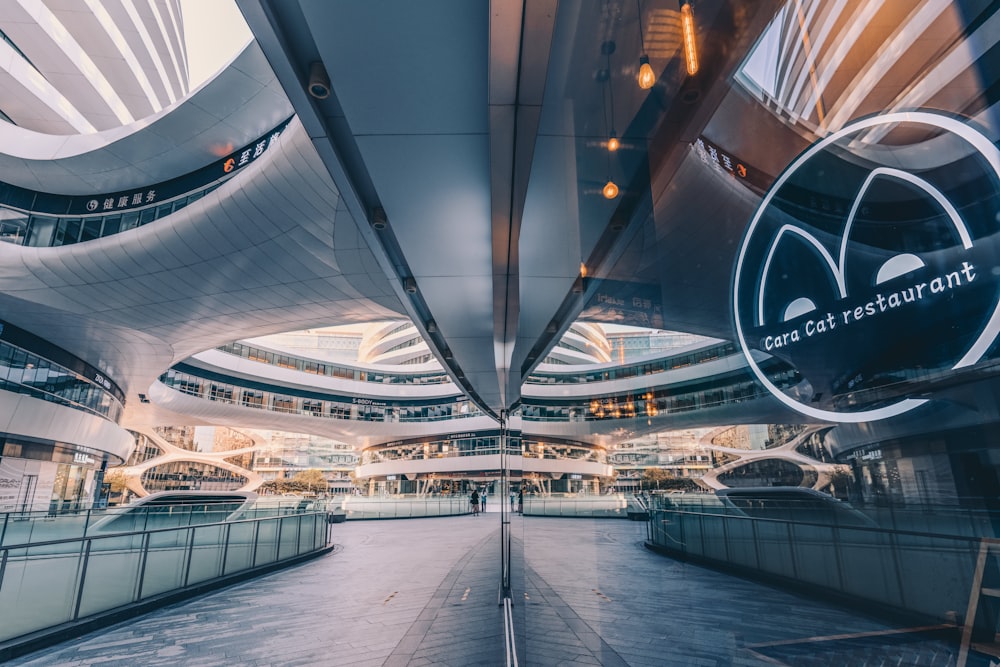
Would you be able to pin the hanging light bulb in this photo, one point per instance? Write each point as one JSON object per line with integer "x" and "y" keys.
{"x": 613, "y": 143}
{"x": 646, "y": 77}
{"x": 610, "y": 190}
{"x": 687, "y": 31}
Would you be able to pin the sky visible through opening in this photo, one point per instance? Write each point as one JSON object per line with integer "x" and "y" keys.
{"x": 214, "y": 31}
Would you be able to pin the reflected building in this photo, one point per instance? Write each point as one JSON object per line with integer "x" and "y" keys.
{"x": 804, "y": 194}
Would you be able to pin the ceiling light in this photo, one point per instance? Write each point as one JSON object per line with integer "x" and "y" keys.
{"x": 319, "y": 81}
{"x": 687, "y": 31}
{"x": 613, "y": 143}
{"x": 610, "y": 190}
{"x": 379, "y": 220}
{"x": 410, "y": 285}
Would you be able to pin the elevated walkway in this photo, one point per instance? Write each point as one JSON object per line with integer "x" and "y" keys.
{"x": 425, "y": 593}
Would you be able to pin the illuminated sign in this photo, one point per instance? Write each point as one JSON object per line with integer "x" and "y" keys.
{"x": 874, "y": 259}
{"x": 623, "y": 302}
{"x": 715, "y": 156}
{"x": 103, "y": 204}
{"x": 368, "y": 401}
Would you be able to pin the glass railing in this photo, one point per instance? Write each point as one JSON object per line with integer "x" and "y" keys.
{"x": 917, "y": 560}
{"x": 321, "y": 406}
{"x": 48, "y": 585}
{"x": 42, "y": 526}
{"x": 316, "y": 367}
{"x": 638, "y": 369}
{"x": 402, "y": 507}
{"x": 712, "y": 393}
{"x": 606, "y": 506}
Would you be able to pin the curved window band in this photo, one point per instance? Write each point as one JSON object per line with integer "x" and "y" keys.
{"x": 316, "y": 367}
{"x": 22, "y": 372}
{"x": 46, "y": 220}
{"x": 314, "y": 407}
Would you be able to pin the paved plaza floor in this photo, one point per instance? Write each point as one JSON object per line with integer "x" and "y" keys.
{"x": 424, "y": 592}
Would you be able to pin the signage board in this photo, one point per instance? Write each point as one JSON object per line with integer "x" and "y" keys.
{"x": 873, "y": 261}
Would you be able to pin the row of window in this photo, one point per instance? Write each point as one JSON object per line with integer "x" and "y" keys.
{"x": 636, "y": 370}
{"x": 25, "y": 373}
{"x": 284, "y": 403}
{"x": 482, "y": 446}
{"x": 49, "y": 231}
{"x": 331, "y": 370}
{"x": 648, "y": 405}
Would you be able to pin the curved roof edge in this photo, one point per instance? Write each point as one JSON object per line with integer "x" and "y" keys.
{"x": 235, "y": 107}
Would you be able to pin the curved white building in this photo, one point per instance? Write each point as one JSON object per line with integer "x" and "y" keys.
{"x": 80, "y": 68}
{"x": 145, "y": 239}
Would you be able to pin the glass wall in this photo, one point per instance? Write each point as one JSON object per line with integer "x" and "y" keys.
{"x": 25, "y": 373}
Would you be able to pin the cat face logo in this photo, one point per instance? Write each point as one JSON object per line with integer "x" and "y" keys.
{"x": 872, "y": 261}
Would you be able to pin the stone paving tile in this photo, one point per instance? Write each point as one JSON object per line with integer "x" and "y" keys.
{"x": 424, "y": 593}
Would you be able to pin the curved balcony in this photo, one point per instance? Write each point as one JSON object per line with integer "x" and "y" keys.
{"x": 642, "y": 368}
{"x": 357, "y": 373}
{"x": 42, "y": 219}
{"x": 475, "y": 454}
{"x": 34, "y": 367}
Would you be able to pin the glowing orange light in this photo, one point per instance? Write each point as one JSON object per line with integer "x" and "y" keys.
{"x": 613, "y": 143}
{"x": 610, "y": 190}
{"x": 690, "y": 47}
{"x": 646, "y": 77}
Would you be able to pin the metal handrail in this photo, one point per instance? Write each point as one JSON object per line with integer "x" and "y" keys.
{"x": 152, "y": 531}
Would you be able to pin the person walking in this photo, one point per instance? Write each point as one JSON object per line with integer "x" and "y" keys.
{"x": 482, "y": 501}
{"x": 520, "y": 501}
{"x": 474, "y": 501}
{"x": 513, "y": 500}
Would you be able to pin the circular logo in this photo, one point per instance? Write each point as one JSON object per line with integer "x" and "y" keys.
{"x": 92, "y": 205}
{"x": 872, "y": 266}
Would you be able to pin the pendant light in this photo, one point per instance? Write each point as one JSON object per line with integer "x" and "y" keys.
{"x": 646, "y": 76}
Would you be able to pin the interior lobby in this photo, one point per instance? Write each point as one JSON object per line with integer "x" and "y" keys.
{"x": 803, "y": 195}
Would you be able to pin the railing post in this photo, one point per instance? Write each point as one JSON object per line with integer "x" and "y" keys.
{"x": 791, "y": 549}
{"x": 190, "y": 553}
{"x": 140, "y": 580}
{"x": 3, "y": 533}
{"x": 298, "y": 535}
{"x": 82, "y": 579}
{"x": 3, "y": 566}
{"x": 225, "y": 551}
{"x": 256, "y": 539}
{"x": 756, "y": 543}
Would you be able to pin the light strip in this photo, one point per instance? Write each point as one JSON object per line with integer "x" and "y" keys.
{"x": 690, "y": 46}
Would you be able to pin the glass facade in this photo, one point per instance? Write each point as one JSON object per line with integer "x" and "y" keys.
{"x": 22, "y": 372}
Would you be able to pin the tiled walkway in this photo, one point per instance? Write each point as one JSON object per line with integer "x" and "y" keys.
{"x": 424, "y": 592}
